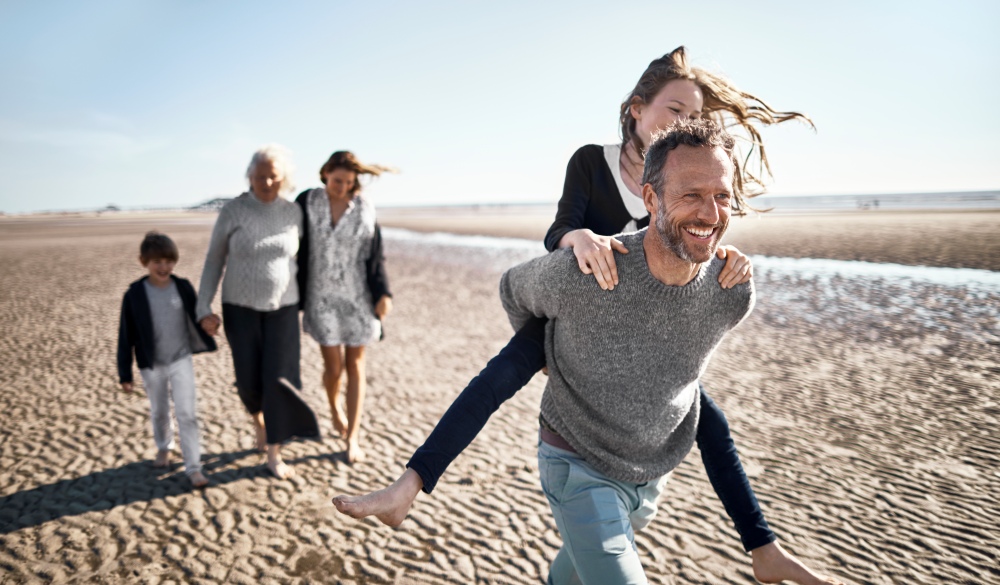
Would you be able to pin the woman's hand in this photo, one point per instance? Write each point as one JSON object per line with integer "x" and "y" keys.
{"x": 210, "y": 324}
{"x": 595, "y": 255}
{"x": 737, "y": 269}
{"x": 383, "y": 307}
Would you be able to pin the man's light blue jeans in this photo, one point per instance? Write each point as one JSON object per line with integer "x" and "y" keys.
{"x": 596, "y": 517}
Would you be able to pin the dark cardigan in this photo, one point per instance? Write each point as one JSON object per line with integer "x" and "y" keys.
{"x": 135, "y": 327}
{"x": 590, "y": 199}
{"x": 378, "y": 281}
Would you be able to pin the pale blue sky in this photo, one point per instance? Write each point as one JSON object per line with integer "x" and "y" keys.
{"x": 161, "y": 103}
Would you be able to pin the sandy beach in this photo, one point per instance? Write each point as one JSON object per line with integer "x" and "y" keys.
{"x": 864, "y": 402}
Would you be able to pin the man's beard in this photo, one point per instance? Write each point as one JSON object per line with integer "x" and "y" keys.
{"x": 672, "y": 235}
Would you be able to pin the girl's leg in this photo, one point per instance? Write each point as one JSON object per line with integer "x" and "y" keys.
{"x": 722, "y": 463}
{"x": 771, "y": 563}
{"x": 333, "y": 371}
{"x": 503, "y": 376}
{"x": 356, "y": 387}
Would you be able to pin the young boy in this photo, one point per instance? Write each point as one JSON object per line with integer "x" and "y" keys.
{"x": 158, "y": 324}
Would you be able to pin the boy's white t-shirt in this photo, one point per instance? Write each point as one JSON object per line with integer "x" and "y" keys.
{"x": 170, "y": 334}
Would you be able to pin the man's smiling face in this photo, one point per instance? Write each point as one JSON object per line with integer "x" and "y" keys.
{"x": 692, "y": 213}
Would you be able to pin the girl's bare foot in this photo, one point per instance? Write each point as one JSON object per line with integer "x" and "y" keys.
{"x": 162, "y": 459}
{"x": 198, "y": 479}
{"x": 772, "y": 564}
{"x": 389, "y": 505}
{"x": 355, "y": 453}
{"x": 276, "y": 465}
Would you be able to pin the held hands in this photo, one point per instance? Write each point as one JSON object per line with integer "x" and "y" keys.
{"x": 383, "y": 307}
{"x": 211, "y": 324}
{"x": 595, "y": 255}
{"x": 737, "y": 269}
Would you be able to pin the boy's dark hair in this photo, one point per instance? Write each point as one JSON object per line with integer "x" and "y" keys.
{"x": 155, "y": 246}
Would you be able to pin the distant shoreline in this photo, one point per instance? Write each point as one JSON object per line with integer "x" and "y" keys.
{"x": 947, "y": 239}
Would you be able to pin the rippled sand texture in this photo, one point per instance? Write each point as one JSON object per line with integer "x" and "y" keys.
{"x": 865, "y": 411}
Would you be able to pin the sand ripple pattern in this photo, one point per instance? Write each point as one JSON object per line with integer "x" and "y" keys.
{"x": 865, "y": 413}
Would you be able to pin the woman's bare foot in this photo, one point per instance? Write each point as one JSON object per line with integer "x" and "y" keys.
{"x": 276, "y": 465}
{"x": 198, "y": 479}
{"x": 389, "y": 505}
{"x": 355, "y": 454}
{"x": 772, "y": 564}
{"x": 259, "y": 431}
{"x": 339, "y": 420}
{"x": 162, "y": 459}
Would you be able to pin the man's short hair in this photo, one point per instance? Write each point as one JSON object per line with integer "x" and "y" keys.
{"x": 156, "y": 246}
{"x": 698, "y": 133}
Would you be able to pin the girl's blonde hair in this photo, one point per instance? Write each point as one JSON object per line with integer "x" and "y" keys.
{"x": 724, "y": 104}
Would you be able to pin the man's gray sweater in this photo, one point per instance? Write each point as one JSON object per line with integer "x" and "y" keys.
{"x": 624, "y": 364}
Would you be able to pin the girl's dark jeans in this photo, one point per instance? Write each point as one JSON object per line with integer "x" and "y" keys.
{"x": 514, "y": 367}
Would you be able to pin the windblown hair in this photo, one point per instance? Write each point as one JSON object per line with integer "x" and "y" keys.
{"x": 703, "y": 133}
{"x": 281, "y": 158}
{"x": 156, "y": 246}
{"x": 345, "y": 159}
{"x": 724, "y": 103}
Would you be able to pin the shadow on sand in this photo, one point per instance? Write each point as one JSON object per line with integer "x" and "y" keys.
{"x": 135, "y": 482}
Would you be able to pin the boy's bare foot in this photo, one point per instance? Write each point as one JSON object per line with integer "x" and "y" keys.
{"x": 389, "y": 505}
{"x": 772, "y": 564}
{"x": 276, "y": 465}
{"x": 198, "y": 479}
{"x": 162, "y": 459}
{"x": 355, "y": 454}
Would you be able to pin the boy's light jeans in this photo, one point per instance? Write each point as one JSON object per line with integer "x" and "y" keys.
{"x": 596, "y": 517}
{"x": 174, "y": 380}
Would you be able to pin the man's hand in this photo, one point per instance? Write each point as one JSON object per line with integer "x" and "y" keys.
{"x": 383, "y": 307}
{"x": 595, "y": 255}
{"x": 127, "y": 387}
{"x": 211, "y": 324}
{"x": 737, "y": 269}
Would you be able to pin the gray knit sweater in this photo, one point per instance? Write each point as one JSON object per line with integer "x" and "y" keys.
{"x": 256, "y": 243}
{"x": 624, "y": 364}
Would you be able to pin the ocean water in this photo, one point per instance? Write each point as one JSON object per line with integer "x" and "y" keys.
{"x": 864, "y": 299}
{"x": 953, "y": 201}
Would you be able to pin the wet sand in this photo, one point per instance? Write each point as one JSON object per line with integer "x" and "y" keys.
{"x": 871, "y": 443}
{"x": 951, "y": 239}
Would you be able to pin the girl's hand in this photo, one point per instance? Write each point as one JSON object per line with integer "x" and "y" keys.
{"x": 737, "y": 269}
{"x": 595, "y": 255}
{"x": 383, "y": 307}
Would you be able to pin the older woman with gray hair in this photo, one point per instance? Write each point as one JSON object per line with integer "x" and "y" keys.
{"x": 255, "y": 240}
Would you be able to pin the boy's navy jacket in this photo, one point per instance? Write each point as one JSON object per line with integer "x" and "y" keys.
{"x": 135, "y": 330}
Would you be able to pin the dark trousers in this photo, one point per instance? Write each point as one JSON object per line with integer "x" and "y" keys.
{"x": 265, "y": 347}
{"x": 514, "y": 367}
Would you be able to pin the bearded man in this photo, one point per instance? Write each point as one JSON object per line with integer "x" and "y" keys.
{"x": 620, "y": 407}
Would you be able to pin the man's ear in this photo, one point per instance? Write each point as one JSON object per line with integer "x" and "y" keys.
{"x": 650, "y": 199}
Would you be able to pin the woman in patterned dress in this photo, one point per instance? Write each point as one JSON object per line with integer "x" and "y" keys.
{"x": 345, "y": 290}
